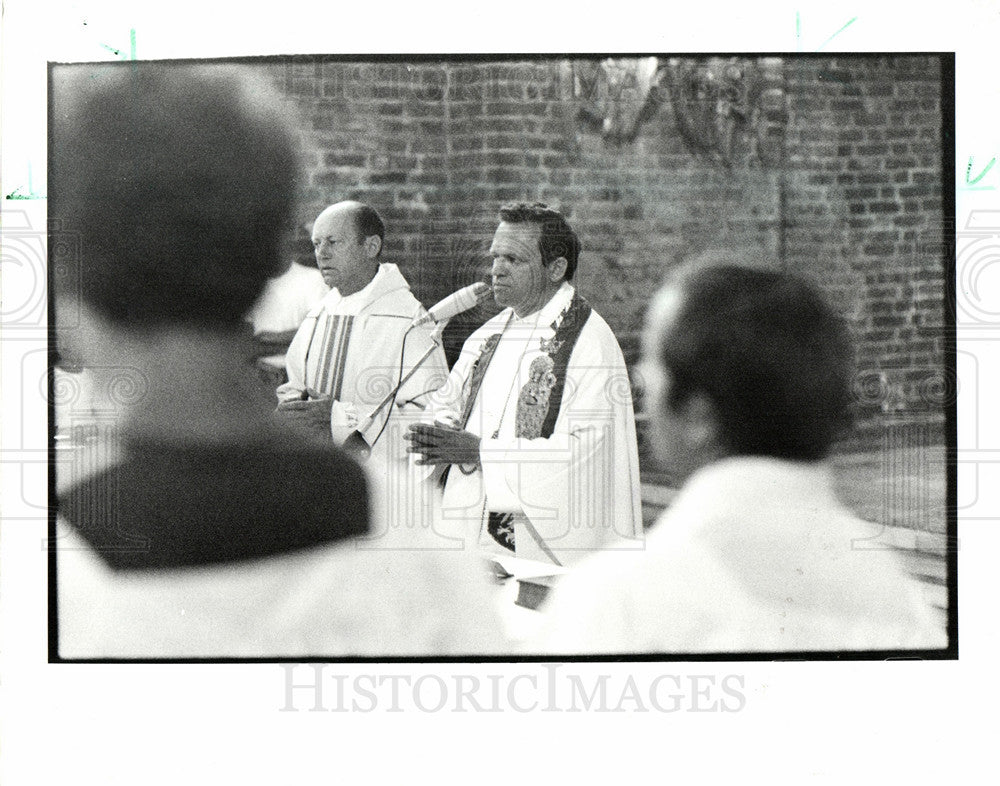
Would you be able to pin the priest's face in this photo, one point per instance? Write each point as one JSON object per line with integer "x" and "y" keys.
{"x": 520, "y": 280}
{"x": 346, "y": 261}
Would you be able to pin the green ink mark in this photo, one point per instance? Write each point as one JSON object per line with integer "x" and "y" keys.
{"x": 30, "y": 195}
{"x": 968, "y": 171}
{"x": 118, "y": 52}
{"x": 31, "y": 190}
{"x": 798, "y": 32}
{"x": 841, "y": 30}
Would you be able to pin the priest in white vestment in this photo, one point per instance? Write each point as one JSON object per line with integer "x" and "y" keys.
{"x": 353, "y": 347}
{"x": 748, "y": 378}
{"x": 534, "y": 440}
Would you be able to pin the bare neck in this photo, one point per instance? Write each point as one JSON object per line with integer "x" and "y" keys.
{"x": 543, "y": 299}
{"x": 359, "y": 282}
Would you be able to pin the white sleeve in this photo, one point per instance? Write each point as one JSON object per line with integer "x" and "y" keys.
{"x": 429, "y": 378}
{"x": 412, "y": 400}
{"x": 295, "y": 362}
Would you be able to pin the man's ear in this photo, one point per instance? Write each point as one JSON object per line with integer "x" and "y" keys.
{"x": 556, "y": 269}
{"x": 700, "y": 419}
{"x": 373, "y": 244}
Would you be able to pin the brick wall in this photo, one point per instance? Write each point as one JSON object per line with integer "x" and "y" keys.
{"x": 850, "y": 190}
{"x": 864, "y": 215}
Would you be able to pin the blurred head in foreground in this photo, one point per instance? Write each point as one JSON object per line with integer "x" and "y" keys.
{"x": 176, "y": 180}
{"x": 741, "y": 361}
{"x": 175, "y": 183}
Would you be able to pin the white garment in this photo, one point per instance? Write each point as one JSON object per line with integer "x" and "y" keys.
{"x": 755, "y": 554}
{"x": 349, "y": 348}
{"x": 331, "y": 600}
{"x": 287, "y": 299}
{"x": 578, "y": 488}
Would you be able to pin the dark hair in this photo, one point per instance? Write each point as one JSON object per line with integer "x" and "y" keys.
{"x": 557, "y": 238}
{"x": 369, "y": 222}
{"x": 177, "y": 179}
{"x": 768, "y": 351}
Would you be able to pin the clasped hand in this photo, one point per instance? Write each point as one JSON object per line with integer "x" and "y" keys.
{"x": 442, "y": 445}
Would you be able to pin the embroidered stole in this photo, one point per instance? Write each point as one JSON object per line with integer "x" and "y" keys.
{"x": 539, "y": 401}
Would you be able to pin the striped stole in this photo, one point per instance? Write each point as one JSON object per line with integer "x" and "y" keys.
{"x": 326, "y": 356}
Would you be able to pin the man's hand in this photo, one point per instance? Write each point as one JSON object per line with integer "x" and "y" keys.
{"x": 442, "y": 445}
{"x": 312, "y": 415}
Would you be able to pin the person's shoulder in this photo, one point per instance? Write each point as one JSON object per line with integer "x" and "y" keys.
{"x": 400, "y": 301}
{"x": 306, "y": 481}
{"x": 395, "y": 600}
{"x": 597, "y": 344}
{"x": 301, "y": 468}
{"x": 393, "y": 282}
{"x": 390, "y": 294}
{"x": 597, "y": 326}
{"x": 326, "y": 302}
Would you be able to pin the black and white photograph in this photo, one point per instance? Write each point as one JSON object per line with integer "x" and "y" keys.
{"x": 369, "y": 384}
{"x": 491, "y": 356}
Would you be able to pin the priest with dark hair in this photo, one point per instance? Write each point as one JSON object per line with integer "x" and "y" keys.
{"x": 535, "y": 439}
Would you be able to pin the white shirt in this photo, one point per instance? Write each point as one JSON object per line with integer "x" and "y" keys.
{"x": 755, "y": 554}
{"x": 364, "y": 597}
